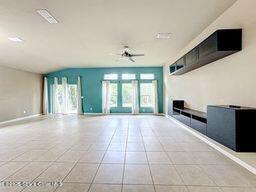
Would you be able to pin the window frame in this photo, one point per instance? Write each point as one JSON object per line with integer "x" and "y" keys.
{"x": 105, "y": 77}
{"x": 116, "y": 104}
{"x": 147, "y": 78}
{"x": 59, "y": 98}
{"x": 69, "y": 97}
{"x": 125, "y": 83}
{"x": 128, "y": 77}
{"x": 140, "y": 96}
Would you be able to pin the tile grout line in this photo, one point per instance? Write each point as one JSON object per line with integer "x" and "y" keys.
{"x": 127, "y": 135}
{"x": 85, "y": 163}
{"x": 219, "y": 149}
{"x": 170, "y": 160}
{"x": 92, "y": 182}
{"x": 200, "y": 165}
{"x": 66, "y": 162}
{"x": 27, "y": 163}
{"x": 98, "y": 138}
{"x": 50, "y": 164}
{"x": 174, "y": 166}
{"x": 180, "y": 164}
{"x": 148, "y": 160}
{"x": 12, "y": 160}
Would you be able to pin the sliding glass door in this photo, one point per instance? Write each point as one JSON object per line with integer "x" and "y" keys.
{"x": 70, "y": 100}
{"x": 59, "y": 99}
{"x": 113, "y": 94}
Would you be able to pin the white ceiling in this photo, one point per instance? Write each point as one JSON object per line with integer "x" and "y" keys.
{"x": 89, "y": 30}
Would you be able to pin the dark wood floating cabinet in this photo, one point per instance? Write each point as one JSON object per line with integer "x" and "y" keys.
{"x": 232, "y": 126}
{"x": 220, "y": 44}
{"x": 192, "y": 118}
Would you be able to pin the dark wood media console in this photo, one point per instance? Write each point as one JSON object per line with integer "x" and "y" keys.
{"x": 192, "y": 118}
{"x": 232, "y": 126}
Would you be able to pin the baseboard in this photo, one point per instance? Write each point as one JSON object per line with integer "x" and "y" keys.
{"x": 213, "y": 145}
{"x": 20, "y": 118}
{"x": 159, "y": 114}
{"x": 93, "y": 114}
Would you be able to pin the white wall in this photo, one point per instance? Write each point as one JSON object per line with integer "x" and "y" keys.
{"x": 19, "y": 91}
{"x": 231, "y": 80}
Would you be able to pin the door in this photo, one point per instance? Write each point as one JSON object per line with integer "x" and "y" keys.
{"x": 72, "y": 98}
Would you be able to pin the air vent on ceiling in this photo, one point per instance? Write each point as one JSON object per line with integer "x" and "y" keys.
{"x": 163, "y": 35}
{"x": 47, "y": 16}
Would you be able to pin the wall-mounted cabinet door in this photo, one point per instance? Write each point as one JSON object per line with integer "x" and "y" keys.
{"x": 172, "y": 68}
{"x": 208, "y": 46}
{"x": 185, "y": 118}
{"x": 199, "y": 124}
{"x": 180, "y": 63}
{"x": 192, "y": 57}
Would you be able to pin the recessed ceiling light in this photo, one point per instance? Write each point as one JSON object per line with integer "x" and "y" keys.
{"x": 47, "y": 16}
{"x": 15, "y": 39}
{"x": 163, "y": 35}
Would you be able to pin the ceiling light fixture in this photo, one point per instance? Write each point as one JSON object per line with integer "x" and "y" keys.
{"x": 47, "y": 16}
{"x": 15, "y": 39}
{"x": 163, "y": 35}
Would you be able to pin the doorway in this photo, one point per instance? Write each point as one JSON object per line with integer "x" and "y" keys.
{"x": 72, "y": 99}
{"x": 66, "y": 101}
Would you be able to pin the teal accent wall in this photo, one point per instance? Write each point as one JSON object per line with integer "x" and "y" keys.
{"x": 91, "y": 80}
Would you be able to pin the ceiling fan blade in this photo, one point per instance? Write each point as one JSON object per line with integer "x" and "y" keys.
{"x": 122, "y": 59}
{"x": 137, "y": 55}
{"x": 126, "y": 48}
{"x": 131, "y": 59}
{"x": 115, "y": 54}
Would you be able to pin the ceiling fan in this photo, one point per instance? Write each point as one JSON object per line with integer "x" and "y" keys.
{"x": 126, "y": 55}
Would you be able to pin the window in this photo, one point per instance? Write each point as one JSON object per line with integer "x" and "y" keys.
{"x": 127, "y": 94}
{"x": 113, "y": 94}
{"x": 110, "y": 76}
{"x": 147, "y": 76}
{"x": 128, "y": 76}
{"x": 59, "y": 97}
{"x": 146, "y": 95}
{"x": 72, "y": 99}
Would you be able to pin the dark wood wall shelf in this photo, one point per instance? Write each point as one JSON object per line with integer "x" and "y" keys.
{"x": 220, "y": 44}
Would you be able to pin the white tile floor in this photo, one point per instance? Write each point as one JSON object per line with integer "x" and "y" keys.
{"x": 113, "y": 154}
